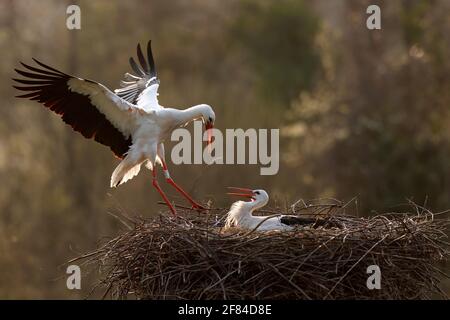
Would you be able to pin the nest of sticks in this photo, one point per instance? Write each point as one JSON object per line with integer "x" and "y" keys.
{"x": 191, "y": 257}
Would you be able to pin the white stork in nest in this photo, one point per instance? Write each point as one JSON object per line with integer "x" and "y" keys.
{"x": 129, "y": 120}
{"x": 241, "y": 214}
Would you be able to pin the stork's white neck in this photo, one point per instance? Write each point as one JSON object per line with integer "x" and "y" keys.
{"x": 257, "y": 204}
{"x": 241, "y": 210}
{"x": 181, "y": 117}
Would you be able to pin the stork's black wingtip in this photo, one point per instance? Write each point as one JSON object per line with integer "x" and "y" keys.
{"x": 18, "y": 88}
{"x": 25, "y": 65}
{"x": 42, "y": 64}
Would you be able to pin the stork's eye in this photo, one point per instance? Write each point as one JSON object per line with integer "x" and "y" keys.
{"x": 257, "y": 192}
{"x": 210, "y": 119}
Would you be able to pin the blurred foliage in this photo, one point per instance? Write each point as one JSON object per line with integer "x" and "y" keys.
{"x": 279, "y": 40}
{"x": 412, "y": 20}
{"x": 383, "y": 115}
{"x": 362, "y": 113}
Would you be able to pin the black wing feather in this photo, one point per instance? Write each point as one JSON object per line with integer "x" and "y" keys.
{"x": 49, "y": 87}
{"x": 296, "y": 220}
{"x": 292, "y": 220}
{"x": 136, "y": 68}
{"x": 142, "y": 59}
{"x": 133, "y": 85}
{"x": 150, "y": 60}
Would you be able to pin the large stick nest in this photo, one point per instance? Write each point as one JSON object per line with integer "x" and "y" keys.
{"x": 191, "y": 257}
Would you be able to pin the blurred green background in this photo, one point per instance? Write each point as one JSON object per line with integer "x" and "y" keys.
{"x": 362, "y": 113}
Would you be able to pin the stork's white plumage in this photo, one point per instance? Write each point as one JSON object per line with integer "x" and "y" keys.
{"x": 130, "y": 120}
{"x": 241, "y": 213}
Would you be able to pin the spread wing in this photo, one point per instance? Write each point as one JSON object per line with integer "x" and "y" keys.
{"x": 87, "y": 106}
{"x": 141, "y": 88}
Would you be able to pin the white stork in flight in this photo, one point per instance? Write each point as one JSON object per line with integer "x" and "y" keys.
{"x": 241, "y": 213}
{"x": 129, "y": 120}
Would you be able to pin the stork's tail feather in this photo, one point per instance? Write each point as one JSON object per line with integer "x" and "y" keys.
{"x": 123, "y": 173}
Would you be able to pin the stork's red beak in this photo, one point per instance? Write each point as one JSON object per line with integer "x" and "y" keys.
{"x": 241, "y": 192}
{"x": 209, "y": 132}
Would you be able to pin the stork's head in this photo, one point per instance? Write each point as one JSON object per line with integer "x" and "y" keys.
{"x": 208, "y": 117}
{"x": 258, "y": 196}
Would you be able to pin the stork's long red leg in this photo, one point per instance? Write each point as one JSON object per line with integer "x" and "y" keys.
{"x": 170, "y": 181}
{"x": 163, "y": 195}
